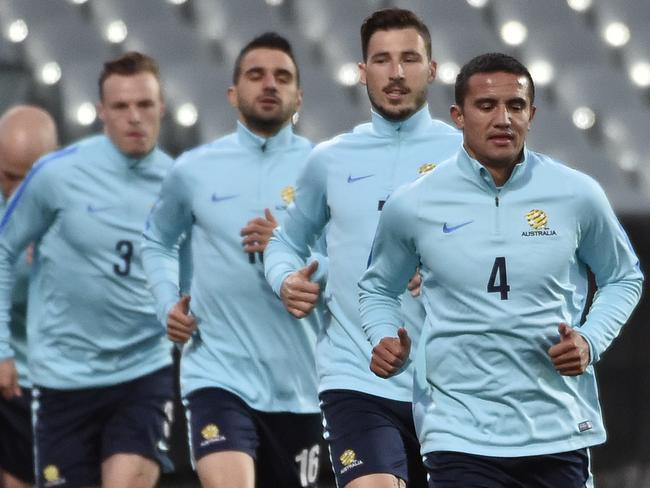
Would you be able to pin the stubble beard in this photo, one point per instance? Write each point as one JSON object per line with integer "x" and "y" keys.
{"x": 403, "y": 113}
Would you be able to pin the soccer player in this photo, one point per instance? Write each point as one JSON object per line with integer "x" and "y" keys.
{"x": 341, "y": 192}
{"x": 505, "y": 389}
{"x": 26, "y": 134}
{"x": 98, "y": 358}
{"x": 248, "y": 376}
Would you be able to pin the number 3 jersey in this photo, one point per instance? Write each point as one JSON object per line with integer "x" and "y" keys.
{"x": 502, "y": 268}
{"x": 91, "y": 318}
{"x": 246, "y": 342}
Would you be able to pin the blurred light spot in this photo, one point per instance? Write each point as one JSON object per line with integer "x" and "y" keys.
{"x": 447, "y": 72}
{"x": 274, "y": 3}
{"x": 640, "y": 74}
{"x": 86, "y": 113}
{"x": 513, "y": 33}
{"x": 17, "y": 31}
{"x": 542, "y": 72}
{"x": 477, "y": 3}
{"x": 580, "y": 5}
{"x": 187, "y": 115}
{"x": 616, "y": 34}
{"x": 584, "y": 118}
{"x": 50, "y": 73}
{"x": 348, "y": 74}
{"x": 629, "y": 161}
{"x": 116, "y": 32}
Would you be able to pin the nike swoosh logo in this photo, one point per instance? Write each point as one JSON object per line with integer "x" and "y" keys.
{"x": 448, "y": 229}
{"x": 216, "y": 198}
{"x": 93, "y": 209}
{"x": 353, "y": 179}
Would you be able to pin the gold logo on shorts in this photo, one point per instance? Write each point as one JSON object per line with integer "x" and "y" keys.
{"x": 51, "y": 473}
{"x": 348, "y": 457}
{"x": 210, "y": 431}
{"x": 349, "y": 460}
{"x": 426, "y": 168}
{"x": 287, "y": 194}
{"x": 211, "y": 434}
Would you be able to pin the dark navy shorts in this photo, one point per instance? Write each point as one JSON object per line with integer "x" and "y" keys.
{"x": 16, "y": 451}
{"x": 76, "y": 430}
{"x": 368, "y": 434}
{"x": 286, "y": 447}
{"x": 461, "y": 470}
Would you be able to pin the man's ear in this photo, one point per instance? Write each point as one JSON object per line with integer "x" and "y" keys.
{"x": 362, "y": 73}
{"x": 231, "y": 94}
{"x": 457, "y": 116}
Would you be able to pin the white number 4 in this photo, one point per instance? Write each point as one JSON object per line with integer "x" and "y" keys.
{"x": 308, "y": 462}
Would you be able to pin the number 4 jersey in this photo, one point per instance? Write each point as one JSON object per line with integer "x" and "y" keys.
{"x": 91, "y": 317}
{"x": 502, "y": 268}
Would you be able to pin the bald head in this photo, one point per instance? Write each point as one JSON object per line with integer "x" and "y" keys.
{"x": 26, "y": 134}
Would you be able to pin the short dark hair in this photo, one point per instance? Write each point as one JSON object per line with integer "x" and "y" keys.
{"x": 130, "y": 63}
{"x": 390, "y": 19}
{"x": 490, "y": 63}
{"x": 268, "y": 40}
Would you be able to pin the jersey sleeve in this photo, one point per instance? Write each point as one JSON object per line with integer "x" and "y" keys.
{"x": 393, "y": 261}
{"x": 605, "y": 248}
{"x": 28, "y": 216}
{"x": 168, "y": 224}
{"x": 291, "y": 245}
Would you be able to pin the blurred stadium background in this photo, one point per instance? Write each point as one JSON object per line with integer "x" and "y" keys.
{"x": 590, "y": 60}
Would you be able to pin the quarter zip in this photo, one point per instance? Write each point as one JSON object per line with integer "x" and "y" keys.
{"x": 497, "y": 213}
{"x": 392, "y": 184}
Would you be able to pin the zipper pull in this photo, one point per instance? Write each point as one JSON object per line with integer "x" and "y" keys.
{"x": 496, "y": 200}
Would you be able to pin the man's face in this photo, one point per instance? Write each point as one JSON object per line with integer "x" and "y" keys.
{"x": 132, "y": 109}
{"x": 495, "y": 117}
{"x": 396, "y": 72}
{"x": 266, "y": 93}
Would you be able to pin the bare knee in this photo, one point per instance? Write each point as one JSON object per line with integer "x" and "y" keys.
{"x": 227, "y": 469}
{"x": 130, "y": 470}
{"x": 377, "y": 480}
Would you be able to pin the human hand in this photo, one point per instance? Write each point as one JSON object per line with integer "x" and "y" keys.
{"x": 181, "y": 324}
{"x": 298, "y": 293}
{"x": 390, "y": 354}
{"x": 257, "y": 232}
{"x": 570, "y": 356}
{"x": 414, "y": 284}
{"x": 9, "y": 387}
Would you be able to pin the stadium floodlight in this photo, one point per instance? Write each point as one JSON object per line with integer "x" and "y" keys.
{"x": 477, "y": 3}
{"x": 348, "y": 74}
{"x": 583, "y": 118}
{"x": 580, "y": 5}
{"x": 17, "y": 31}
{"x": 116, "y": 31}
{"x": 50, "y": 73}
{"x": 640, "y": 74}
{"x": 187, "y": 115}
{"x": 629, "y": 161}
{"x": 616, "y": 34}
{"x": 86, "y": 114}
{"x": 542, "y": 72}
{"x": 514, "y": 33}
{"x": 447, "y": 72}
